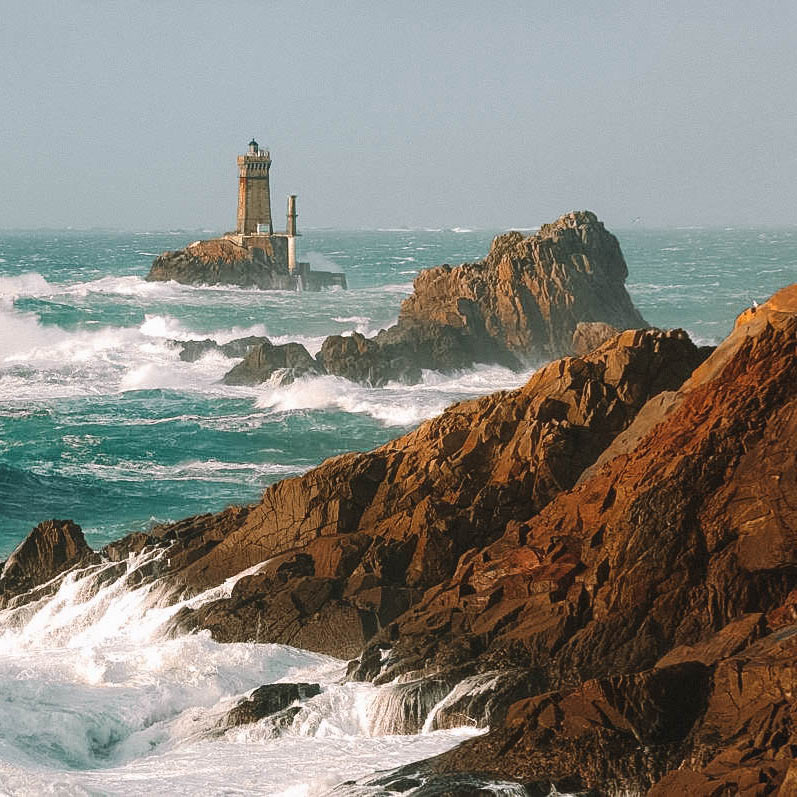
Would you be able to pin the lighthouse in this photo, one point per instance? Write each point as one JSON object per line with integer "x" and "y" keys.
{"x": 255, "y": 228}
{"x": 254, "y": 196}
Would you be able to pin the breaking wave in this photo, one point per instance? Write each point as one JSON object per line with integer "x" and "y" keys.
{"x": 395, "y": 404}
{"x": 96, "y": 696}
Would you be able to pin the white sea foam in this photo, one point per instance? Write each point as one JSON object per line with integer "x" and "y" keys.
{"x": 47, "y": 361}
{"x": 320, "y": 262}
{"x": 394, "y": 404}
{"x": 210, "y": 470}
{"x": 96, "y": 698}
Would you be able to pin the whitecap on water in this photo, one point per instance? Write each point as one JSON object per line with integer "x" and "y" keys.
{"x": 394, "y": 404}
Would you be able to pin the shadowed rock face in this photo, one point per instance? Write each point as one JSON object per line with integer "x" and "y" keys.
{"x": 192, "y": 350}
{"x": 267, "y": 700}
{"x": 220, "y": 261}
{"x": 264, "y": 360}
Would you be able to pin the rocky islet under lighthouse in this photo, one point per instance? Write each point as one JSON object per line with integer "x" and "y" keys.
{"x": 253, "y": 256}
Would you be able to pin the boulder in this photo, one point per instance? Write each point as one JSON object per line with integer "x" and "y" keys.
{"x": 266, "y": 701}
{"x": 192, "y": 350}
{"x": 289, "y": 360}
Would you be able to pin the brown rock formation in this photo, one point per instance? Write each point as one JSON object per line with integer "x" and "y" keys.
{"x": 192, "y": 350}
{"x": 679, "y": 547}
{"x": 529, "y": 293}
{"x": 265, "y": 359}
{"x": 608, "y": 555}
{"x": 352, "y": 542}
{"x": 53, "y": 547}
{"x": 521, "y": 305}
{"x": 221, "y": 261}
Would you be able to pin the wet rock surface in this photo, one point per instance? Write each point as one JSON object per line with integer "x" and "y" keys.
{"x": 268, "y": 700}
{"x": 288, "y": 361}
{"x": 420, "y": 781}
{"x": 52, "y": 548}
{"x": 193, "y": 350}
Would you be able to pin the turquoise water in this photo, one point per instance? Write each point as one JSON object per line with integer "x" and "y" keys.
{"x": 102, "y": 423}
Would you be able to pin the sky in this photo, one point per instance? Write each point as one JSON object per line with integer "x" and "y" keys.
{"x": 423, "y": 114}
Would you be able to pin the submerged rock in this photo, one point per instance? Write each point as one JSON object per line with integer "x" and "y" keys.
{"x": 264, "y": 360}
{"x": 192, "y": 350}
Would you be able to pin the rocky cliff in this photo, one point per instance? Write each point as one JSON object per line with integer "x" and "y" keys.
{"x": 220, "y": 261}
{"x": 529, "y": 294}
{"x": 654, "y": 603}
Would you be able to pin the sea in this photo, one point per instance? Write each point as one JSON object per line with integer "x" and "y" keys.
{"x": 102, "y": 423}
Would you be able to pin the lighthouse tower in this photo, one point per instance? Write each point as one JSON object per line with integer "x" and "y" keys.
{"x": 254, "y": 198}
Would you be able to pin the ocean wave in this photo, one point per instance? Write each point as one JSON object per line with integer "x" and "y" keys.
{"x": 211, "y": 470}
{"x": 393, "y": 405}
{"x": 46, "y": 361}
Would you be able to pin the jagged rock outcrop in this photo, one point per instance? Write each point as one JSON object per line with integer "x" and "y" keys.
{"x": 53, "y": 547}
{"x": 520, "y": 306}
{"x": 351, "y": 544}
{"x": 603, "y": 563}
{"x": 530, "y": 292}
{"x": 221, "y": 261}
{"x": 264, "y": 360}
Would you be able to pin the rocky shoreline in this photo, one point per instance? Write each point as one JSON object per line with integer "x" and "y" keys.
{"x": 601, "y": 565}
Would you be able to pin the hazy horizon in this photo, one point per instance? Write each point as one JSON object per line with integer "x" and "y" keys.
{"x": 454, "y": 115}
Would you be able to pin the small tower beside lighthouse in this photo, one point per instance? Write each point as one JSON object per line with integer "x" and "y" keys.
{"x": 291, "y": 232}
{"x": 254, "y": 196}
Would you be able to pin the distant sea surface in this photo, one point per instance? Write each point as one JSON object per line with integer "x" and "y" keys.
{"x": 102, "y": 423}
